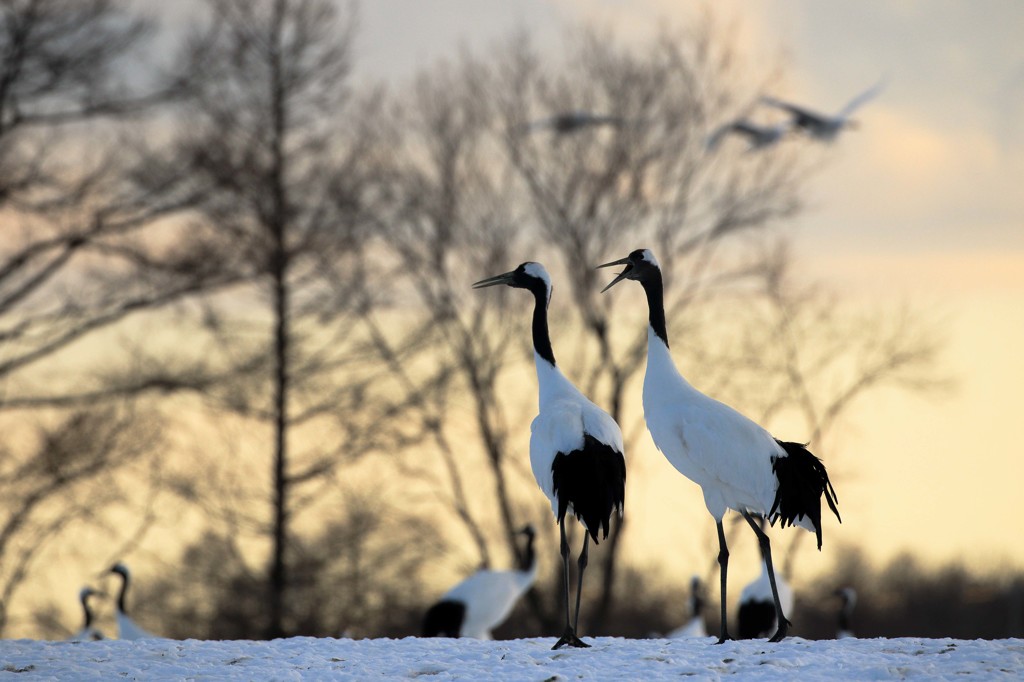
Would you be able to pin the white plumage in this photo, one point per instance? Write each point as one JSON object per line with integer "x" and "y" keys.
{"x": 713, "y": 445}
{"x": 126, "y": 627}
{"x": 489, "y": 597}
{"x": 737, "y": 464}
{"x": 756, "y": 600}
{"x": 565, "y": 417}
{"x": 576, "y": 449}
{"x": 482, "y": 601}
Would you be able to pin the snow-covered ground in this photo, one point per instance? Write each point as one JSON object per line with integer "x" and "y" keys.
{"x": 303, "y": 658}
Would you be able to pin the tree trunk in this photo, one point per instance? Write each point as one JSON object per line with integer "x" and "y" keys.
{"x": 279, "y": 273}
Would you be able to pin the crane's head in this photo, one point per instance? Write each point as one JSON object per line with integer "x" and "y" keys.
{"x": 639, "y": 265}
{"x": 120, "y": 569}
{"x": 528, "y": 275}
{"x": 849, "y": 597}
{"x": 87, "y": 592}
{"x": 528, "y": 530}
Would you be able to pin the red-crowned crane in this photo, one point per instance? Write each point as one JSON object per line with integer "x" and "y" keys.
{"x": 737, "y": 464}
{"x": 757, "y": 616}
{"x": 576, "y": 450}
{"x": 89, "y": 632}
{"x": 820, "y": 126}
{"x": 694, "y": 627}
{"x": 482, "y": 601}
{"x": 759, "y": 136}
{"x": 848, "y": 595}
{"x": 126, "y": 627}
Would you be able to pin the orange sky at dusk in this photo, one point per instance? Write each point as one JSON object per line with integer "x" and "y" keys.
{"x": 922, "y": 204}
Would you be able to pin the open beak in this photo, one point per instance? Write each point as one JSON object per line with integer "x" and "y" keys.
{"x": 621, "y": 276}
{"x": 494, "y": 281}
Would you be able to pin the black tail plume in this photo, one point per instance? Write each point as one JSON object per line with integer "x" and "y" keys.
{"x": 593, "y": 480}
{"x": 802, "y": 482}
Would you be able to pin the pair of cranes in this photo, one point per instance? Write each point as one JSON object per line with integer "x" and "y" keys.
{"x": 577, "y": 453}
{"x": 126, "y": 627}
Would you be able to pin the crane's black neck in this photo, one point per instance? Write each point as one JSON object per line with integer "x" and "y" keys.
{"x": 87, "y": 610}
{"x": 529, "y": 556}
{"x": 655, "y": 291}
{"x": 696, "y": 605}
{"x": 844, "y": 616}
{"x": 541, "y": 339}
{"x": 121, "y": 595}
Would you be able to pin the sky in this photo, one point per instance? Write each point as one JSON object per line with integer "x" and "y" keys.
{"x": 921, "y": 205}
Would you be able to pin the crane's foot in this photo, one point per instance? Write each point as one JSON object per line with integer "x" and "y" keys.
{"x": 780, "y": 634}
{"x": 569, "y": 638}
{"x": 723, "y": 638}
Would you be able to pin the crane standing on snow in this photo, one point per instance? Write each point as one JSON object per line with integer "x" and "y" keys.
{"x": 576, "y": 450}
{"x": 737, "y": 464}
{"x": 694, "y": 627}
{"x": 126, "y": 627}
{"x": 482, "y": 601}
{"x": 757, "y": 616}
{"x": 88, "y": 633}
{"x": 848, "y": 595}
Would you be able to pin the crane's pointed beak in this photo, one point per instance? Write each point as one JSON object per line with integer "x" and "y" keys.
{"x": 504, "y": 278}
{"x": 621, "y": 276}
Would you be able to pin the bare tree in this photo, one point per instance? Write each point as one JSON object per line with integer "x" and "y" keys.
{"x": 77, "y": 264}
{"x": 69, "y": 479}
{"x": 481, "y": 188}
{"x": 359, "y": 575}
{"x": 281, "y": 153}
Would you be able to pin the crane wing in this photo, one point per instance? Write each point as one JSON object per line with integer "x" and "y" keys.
{"x": 718, "y": 448}
{"x": 861, "y": 99}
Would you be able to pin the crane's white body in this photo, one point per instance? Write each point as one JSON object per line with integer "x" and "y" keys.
{"x": 565, "y": 416}
{"x": 760, "y": 590}
{"x": 489, "y": 597}
{"x": 129, "y": 629}
{"x": 694, "y": 628}
{"x": 728, "y": 455}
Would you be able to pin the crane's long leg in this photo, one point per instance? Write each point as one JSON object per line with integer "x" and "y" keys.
{"x": 581, "y": 564}
{"x": 569, "y": 636}
{"x": 723, "y": 570}
{"x": 564, "y": 548}
{"x": 766, "y": 550}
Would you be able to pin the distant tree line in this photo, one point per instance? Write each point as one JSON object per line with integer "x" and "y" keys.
{"x": 235, "y": 310}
